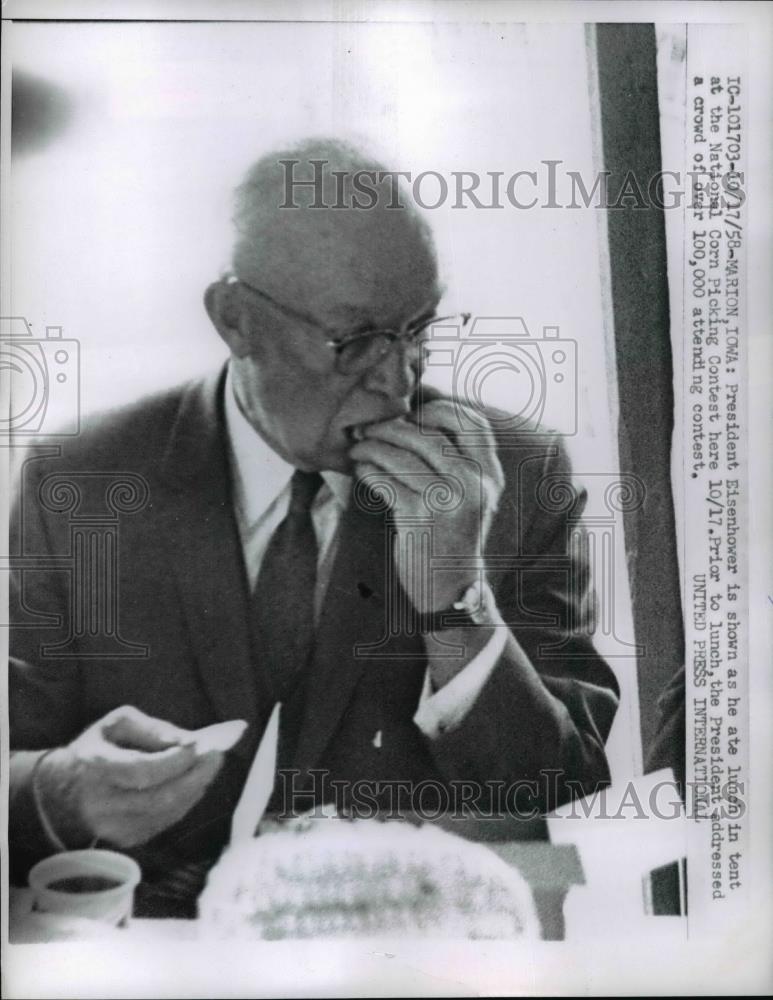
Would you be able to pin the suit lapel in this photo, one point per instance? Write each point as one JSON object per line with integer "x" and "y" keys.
{"x": 199, "y": 529}
{"x": 354, "y": 616}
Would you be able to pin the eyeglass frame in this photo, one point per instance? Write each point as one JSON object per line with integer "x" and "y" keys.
{"x": 408, "y": 336}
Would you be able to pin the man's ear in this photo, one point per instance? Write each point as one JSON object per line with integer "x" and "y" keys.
{"x": 223, "y": 308}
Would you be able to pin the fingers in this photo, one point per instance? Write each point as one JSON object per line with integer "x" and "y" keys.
{"x": 127, "y": 818}
{"x": 440, "y": 424}
{"x": 405, "y": 466}
{"x": 131, "y": 750}
{"x": 133, "y": 776}
{"x": 176, "y": 796}
{"x": 137, "y": 769}
{"x": 401, "y": 445}
{"x": 480, "y": 446}
{"x": 444, "y": 415}
{"x": 405, "y": 496}
{"x": 129, "y": 727}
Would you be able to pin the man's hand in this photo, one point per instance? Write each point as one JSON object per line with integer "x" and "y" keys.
{"x": 127, "y": 778}
{"x": 410, "y": 461}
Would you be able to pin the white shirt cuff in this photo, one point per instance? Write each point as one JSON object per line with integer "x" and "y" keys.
{"x": 444, "y": 710}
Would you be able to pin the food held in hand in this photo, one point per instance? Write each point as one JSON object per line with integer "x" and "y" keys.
{"x": 220, "y": 736}
{"x": 364, "y": 878}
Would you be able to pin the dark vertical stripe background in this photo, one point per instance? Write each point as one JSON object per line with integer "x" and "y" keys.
{"x": 630, "y": 126}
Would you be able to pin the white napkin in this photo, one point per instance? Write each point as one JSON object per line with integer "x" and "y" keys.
{"x": 259, "y": 784}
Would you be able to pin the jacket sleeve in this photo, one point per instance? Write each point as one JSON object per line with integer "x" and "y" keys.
{"x": 43, "y": 691}
{"x": 546, "y": 710}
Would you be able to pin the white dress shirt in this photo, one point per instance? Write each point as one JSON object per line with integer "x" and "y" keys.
{"x": 262, "y": 494}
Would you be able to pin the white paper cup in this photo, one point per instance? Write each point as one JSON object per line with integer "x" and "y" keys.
{"x": 74, "y": 871}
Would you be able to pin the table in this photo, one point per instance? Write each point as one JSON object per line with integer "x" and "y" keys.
{"x": 551, "y": 870}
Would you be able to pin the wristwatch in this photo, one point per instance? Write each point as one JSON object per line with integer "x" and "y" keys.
{"x": 473, "y": 608}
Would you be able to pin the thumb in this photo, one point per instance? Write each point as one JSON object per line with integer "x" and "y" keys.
{"x": 129, "y": 727}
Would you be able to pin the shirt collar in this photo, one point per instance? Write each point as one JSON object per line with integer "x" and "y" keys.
{"x": 260, "y": 473}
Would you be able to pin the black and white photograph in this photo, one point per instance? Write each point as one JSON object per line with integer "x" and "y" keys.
{"x": 386, "y": 565}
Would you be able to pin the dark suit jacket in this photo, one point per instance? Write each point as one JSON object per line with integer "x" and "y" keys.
{"x": 173, "y": 639}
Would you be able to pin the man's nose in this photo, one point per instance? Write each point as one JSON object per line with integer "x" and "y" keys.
{"x": 394, "y": 375}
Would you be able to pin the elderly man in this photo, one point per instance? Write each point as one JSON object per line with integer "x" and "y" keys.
{"x": 292, "y": 551}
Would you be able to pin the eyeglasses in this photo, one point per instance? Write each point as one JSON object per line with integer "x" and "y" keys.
{"x": 355, "y": 353}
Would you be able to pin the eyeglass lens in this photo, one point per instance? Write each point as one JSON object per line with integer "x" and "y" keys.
{"x": 361, "y": 354}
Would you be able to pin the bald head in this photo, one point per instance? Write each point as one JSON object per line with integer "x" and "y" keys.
{"x": 319, "y": 224}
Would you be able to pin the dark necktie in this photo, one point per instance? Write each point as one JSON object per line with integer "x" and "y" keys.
{"x": 283, "y": 599}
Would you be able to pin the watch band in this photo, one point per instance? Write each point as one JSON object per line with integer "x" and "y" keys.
{"x": 472, "y": 609}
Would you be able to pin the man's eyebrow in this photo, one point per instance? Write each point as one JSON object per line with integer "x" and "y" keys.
{"x": 367, "y": 324}
{"x": 354, "y": 319}
{"x": 352, "y": 313}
